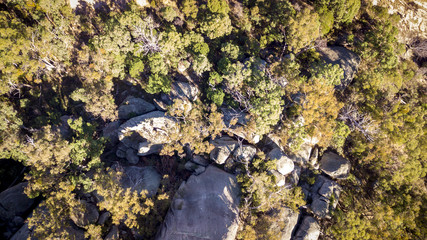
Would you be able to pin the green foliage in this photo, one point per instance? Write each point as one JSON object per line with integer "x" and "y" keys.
{"x": 341, "y": 133}
{"x": 169, "y": 13}
{"x": 189, "y": 8}
{"x": 303, "y": 29}
{"x": 216, "y": 96}
{"x": 331, "y": 74}
{"x": 214, "y": 78}
{"x": 158, "y": 83}
{"x": 215, "y": 26}
{"x": 230, "y": 50}
{"x": 218, "y": 6}
{"x": 136, "y": 68}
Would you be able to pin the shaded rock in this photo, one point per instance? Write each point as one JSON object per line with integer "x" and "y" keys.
{"x": 146, "y": 148}
{"x": 334, "y": 165}
{"x": 84, "y": 214}
{"x": 110, "y": 131}
{"x": 179, "y": 90}
{"x": 284, "y": 164}
{"x": 140, "y": 178}
{"x": 200, "y": 160}
{"x": 320, "y": 206}
{"x": 113, "y": 234}
{"x": 64, "y": 127}
{"x": 288, "y": 219}
{"x": 347, "y": 60}
{"x": 14, "y": 202}
{"x": 104, "y": 218}
{"x": 131, "y": 156}
{"x": 204, "y": 207}
{"x": 325, "y": 194}
{"x": 313, "y": 158}
{"x": 293, "y": 177}
{"x": 133, "y": 106}
{"x": 22, "y": 234}
{"x": 245, "y": 153}
{"x": 193, "y": 167}
{"x": 302, "y": 156}
{"x": 224, "y": 146}
{"x": 308, "y": 230}
{"x": 153, "y": 127}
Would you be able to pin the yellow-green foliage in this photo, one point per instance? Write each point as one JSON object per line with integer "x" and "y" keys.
{"x": 124, "y": 205}
{"x": 303, "y": 29}
{"x": 197, "y": 122}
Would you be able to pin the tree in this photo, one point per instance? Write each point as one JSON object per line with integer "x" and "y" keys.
{"x": 303, "y": 29}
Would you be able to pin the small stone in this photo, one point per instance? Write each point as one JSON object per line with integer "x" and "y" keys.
{"x": 113, "y": 234}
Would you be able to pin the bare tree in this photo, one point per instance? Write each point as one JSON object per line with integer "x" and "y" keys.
{"x": 147, "y": 39}
{"x": 359, "y": 121}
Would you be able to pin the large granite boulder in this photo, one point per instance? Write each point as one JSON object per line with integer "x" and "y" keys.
{"x": 133, "y": 106}
{"x": 334, "y": 165}
{"x": 224, "y": 147}
{"x": 285, "y": 165}
{"x": 347, "y": 60}
{"x": 204, "y": 207}
{"x": 14, "y": 202}
{"x": 244, "y": 153}
{"x": 84, "y": 214}
{"x": 308, "y": 230}
{"x": 288, "y": 220}
{"x": 147, "y": 133}
{"x": 139, "y": 179}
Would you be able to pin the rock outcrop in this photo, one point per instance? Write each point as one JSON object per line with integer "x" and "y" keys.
{"x": 308, "y": 230}
{"x": 334, "y": 165}
{"x": 14, "y": 202}
{"x": 284, "y": 228}
{"x": 238, "y": 129}
{"x": 187, "y": 92}
{"x": 140, "y": 178}
{"x": 224, "y": 147}
{"x": 204, "y": 207}
{"x": 133, "y": 106}
{"x": 147, "y": 133}
{"x": 325, "y": 194}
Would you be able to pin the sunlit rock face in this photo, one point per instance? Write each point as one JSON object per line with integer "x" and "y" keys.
{"x": 204, "y": 207}
{"x": 413, "y": 15}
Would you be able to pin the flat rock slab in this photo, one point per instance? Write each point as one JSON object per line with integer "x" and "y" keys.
{"x": 14, "y": 202}
{"x": 308, "y": 230}
{"x": 204, "y": 207}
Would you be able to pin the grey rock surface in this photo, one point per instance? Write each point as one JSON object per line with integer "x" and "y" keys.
{"x": 153, "y": 127}
{"x": 335, "y": 166}
{"x": 308, "y": 230}
{"x": 85, "y": 214}
{"x": 14, "y": 202}
{"x": 324, "y": 193}
{"x": 140, "y": 178}
{"x": 224, "y": 147}
{"x": 285, "y": 227}
{"x": 284, "y": 164}
{"x": 113, "y": 234}
{"x": 347, "y": 60}
{"x": 245, "y": 153}
{"x": 133, "y": 106}
{"x": 204, "y": 207}
{"x": 200, "y": 160}
{"x": 103, "y": 218}
{"x": 110, "y": 131}
{"x": 131, "y": 156}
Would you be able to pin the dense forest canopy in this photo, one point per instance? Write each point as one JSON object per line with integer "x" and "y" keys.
{"x": 67, "y": 71}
